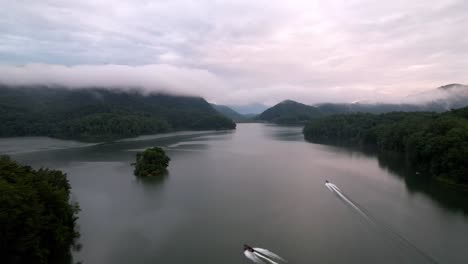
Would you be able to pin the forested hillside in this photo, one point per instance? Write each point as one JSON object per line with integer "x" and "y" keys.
{"x": 97, "y": 114}
{"x": 436, "y": 143}
{"x": 290, "y": 112}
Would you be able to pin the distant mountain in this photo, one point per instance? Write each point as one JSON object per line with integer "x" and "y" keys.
{"x": 249, "y": 109}
{"x": 289, "y": 112}
{"x": 229, "y": 113}
{"x": 452, "y": 86}
{"x": 97, "y": 114}
{"x": 379, "y": 108}
{"x": 251, "y": 116}
{"x": 452, "y": 96}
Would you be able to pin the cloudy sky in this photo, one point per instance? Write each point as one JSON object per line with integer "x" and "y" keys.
{"x": 239, "y": 51}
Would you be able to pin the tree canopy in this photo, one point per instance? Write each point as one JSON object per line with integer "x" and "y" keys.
{"x": 432, "y": 142}
{"x": 37, "y": 220}
{"x": 151, "y": 162}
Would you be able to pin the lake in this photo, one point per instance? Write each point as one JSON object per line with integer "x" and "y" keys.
{"x": 262, "y": 185}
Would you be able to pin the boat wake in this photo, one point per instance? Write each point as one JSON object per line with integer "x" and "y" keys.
{"x": 334, "y": 189}
{"x": 262, "y": 256}
{"x": 393, "y": 233}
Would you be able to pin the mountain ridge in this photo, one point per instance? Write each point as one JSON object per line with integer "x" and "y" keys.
{"x": 443, "y": 98}
{"x": 101, "y": 114}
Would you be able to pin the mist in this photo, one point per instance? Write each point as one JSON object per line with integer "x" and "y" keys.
{"x": 177, "y": 80}
{"x": 241, "y": 52}
{"x": 449, "y": 93}
{"x": 147, "y": 78}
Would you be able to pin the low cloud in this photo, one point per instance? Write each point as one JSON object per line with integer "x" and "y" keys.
{"x": 239, "y": 52}
{"x": 151, "y": 78}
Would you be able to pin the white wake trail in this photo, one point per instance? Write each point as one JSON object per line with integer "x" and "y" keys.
{"x": 337, "y": 191}
{"x": 329, "y": 187}
{"x": 333, "y": 188}
{"x": 253, "y": 257}
{"x": 265, "y": 258}
{"x": 261, "y": 255}
{"x": 269, "y": 254}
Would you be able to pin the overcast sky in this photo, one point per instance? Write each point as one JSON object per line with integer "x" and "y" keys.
{"x": 239, "y": 51}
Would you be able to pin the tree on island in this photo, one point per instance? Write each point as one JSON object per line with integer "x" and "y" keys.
{"x": 151, "y": 162}
{"x": 38, "y": 223}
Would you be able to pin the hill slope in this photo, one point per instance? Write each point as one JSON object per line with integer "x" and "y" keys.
{"x": 289, "y": 112}
{"x": 249, "y": 109}
{"x": 97, "y": 114}
{"x": 229, "y": 113}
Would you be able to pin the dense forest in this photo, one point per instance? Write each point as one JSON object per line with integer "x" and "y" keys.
{"x": 36, "y": 218}
{"x": 434, "y": 143}
{"x": 97, "y": 114}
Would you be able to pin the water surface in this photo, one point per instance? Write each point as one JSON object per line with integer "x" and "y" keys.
{"x": 262, "y": 185}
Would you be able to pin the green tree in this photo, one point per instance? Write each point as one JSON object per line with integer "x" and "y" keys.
{"x": 151, "y": 162}
{"x": 38, "y": 223}
{"x": 432, "y": 142}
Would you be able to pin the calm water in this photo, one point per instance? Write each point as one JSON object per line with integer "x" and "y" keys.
{"x": 262, "y": 185}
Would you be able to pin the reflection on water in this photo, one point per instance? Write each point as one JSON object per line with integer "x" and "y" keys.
{"x": 261, "y": 185}
{"x": 153, "y": 181}
{"x": 18, "y": 145}
{"x": 446, "y": 196}
{"x": 284, "y": 133}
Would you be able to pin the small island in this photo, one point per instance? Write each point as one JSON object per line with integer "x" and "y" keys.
{"x": 151, "y": 162}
